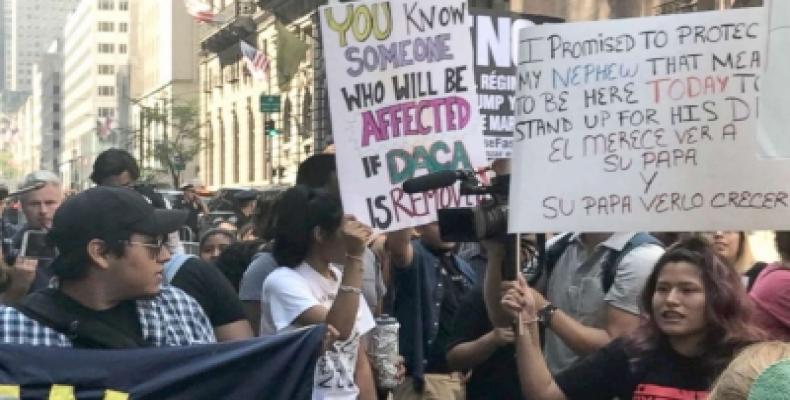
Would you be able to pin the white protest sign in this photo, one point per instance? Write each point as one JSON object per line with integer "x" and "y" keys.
{"x": 400, "y": 77}
{"x": 774, "y": 136}
{"x": 644, "y": 124}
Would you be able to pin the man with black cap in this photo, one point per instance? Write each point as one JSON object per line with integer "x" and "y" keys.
{"x": 110, "y": 291}
{"x": 207, "y": 285}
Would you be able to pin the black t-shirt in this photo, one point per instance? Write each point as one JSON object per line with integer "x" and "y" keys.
{"x": 496, "y": 377}
{"x": 211, "y": 289}
{"x": 608, "y": 373}
{"x": 123, "y": 317}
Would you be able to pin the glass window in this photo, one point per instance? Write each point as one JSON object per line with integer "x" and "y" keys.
{"x": 106, "y": 4}
{"x": 106, "y": 90}
{"x": 106, "y": 69}
{"x": 106, "y": 48}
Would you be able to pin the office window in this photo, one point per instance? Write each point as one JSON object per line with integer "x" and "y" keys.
{"x": 106, "y": 26}
{"x": 106, "y": 90}
{"x": 106, "y": 69}
{"x": 106, "y": 112}
{"x": 123, "y": 27}
{"x": 106, "y": 4}
{"x": 55, "y": 107}
{"x": 122, "y": 48}
{"x": 56, "y": 89}
{"x": 106, "y": 48}
{"x": 56, "y": 126}
{"x": 123, "y": 5}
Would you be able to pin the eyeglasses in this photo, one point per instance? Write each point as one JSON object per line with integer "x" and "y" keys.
{"x": 154, "y": 249}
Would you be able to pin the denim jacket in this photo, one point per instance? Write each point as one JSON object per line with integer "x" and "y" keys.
{"x": 417, "y": 305}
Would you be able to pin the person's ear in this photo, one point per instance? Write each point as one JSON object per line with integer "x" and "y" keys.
{"x": 97, "y": 253}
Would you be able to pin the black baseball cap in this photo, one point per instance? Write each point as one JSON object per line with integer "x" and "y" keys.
{"x": 245, "y": 195}
{"x": 106, "y": 212}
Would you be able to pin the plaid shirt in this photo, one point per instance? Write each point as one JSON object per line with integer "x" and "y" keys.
{"x": 173, "y": 318}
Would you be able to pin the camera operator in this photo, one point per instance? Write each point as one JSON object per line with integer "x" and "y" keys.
{"x": 429, "y": 282}
{"x": 579, "y": 313}
{"x": 27, "y": 274}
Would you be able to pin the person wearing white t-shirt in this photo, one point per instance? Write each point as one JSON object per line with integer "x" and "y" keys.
{"x": 320, "y": 256}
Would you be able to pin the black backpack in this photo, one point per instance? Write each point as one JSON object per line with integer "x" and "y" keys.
{"x": 609, "y": 266}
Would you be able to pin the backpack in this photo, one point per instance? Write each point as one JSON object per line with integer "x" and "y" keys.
{"x": 609, "y": 266}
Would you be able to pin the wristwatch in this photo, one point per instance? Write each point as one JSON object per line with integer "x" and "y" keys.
{"x": 545, "y": 313}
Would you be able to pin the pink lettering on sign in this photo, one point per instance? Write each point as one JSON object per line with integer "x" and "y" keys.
{"x": 415, "y": 118}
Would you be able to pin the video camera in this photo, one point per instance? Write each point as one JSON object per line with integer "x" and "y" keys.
{"x": 486, "y": 221}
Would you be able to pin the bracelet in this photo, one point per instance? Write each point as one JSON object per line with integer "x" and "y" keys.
{"x": 357, "y": 258}
{"x": 349, "y": 289}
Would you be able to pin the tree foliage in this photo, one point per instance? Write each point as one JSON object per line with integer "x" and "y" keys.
{"x": 180, "y": 142}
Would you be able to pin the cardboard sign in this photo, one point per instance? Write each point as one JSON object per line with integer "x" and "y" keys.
{"x": 644, "y": 124}
{"x": 401, "y": 84}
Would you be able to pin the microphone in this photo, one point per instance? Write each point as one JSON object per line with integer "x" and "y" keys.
{"x": 35, "y": 186}
{"x": 434, "y": 180}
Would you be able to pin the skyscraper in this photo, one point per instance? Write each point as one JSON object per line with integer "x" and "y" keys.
{"x": 32, "y": 26}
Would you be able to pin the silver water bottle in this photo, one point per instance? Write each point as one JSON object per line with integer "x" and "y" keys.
{"x": 384, "y": 351}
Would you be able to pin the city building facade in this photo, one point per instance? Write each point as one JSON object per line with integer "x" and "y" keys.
{"x": 245, "y": 146}
{"x": 96, "y": 56}
{"x": 34, "y": 24}
{"x": 164, "y": 78}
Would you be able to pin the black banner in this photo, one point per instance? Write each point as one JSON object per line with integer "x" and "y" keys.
{"x": 275, "y": 367}
{"x": 494, "y": 35}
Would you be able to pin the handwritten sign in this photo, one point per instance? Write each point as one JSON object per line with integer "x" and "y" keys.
{"x": 775, "y": 112}
{"x": 644, "y": 124}
{"x": 401, "y": 87}
{"x": 496, "y": 48}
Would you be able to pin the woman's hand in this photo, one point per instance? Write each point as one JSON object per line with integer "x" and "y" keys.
{"x": 355, "y": 235}
{"x": 518, "y": 299}
{"x": 330, "y": 337}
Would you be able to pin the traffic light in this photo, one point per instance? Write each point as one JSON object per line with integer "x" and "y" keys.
{"x": 268, "y": 128}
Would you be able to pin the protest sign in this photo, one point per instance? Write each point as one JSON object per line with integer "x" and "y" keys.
{"x": 774, "y": 111}
{"x": 401, "y": 90}
{"x": 644, "y": 124}
{"x": 495, "y": 38}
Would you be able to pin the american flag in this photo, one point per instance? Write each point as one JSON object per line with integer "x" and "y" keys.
{"x": 201, "y": 11}
{"x": 257, "y": 62}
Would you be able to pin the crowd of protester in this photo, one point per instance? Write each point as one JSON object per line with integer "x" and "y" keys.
{"x": 678, "y": 315}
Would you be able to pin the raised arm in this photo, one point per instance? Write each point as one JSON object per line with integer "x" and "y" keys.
{"x": 534, "y": 375}
{"x": 400, "y": 248}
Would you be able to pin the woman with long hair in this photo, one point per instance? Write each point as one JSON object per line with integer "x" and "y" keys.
{"x": 696, "y": 319}
{"x": 319, "y": 251}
